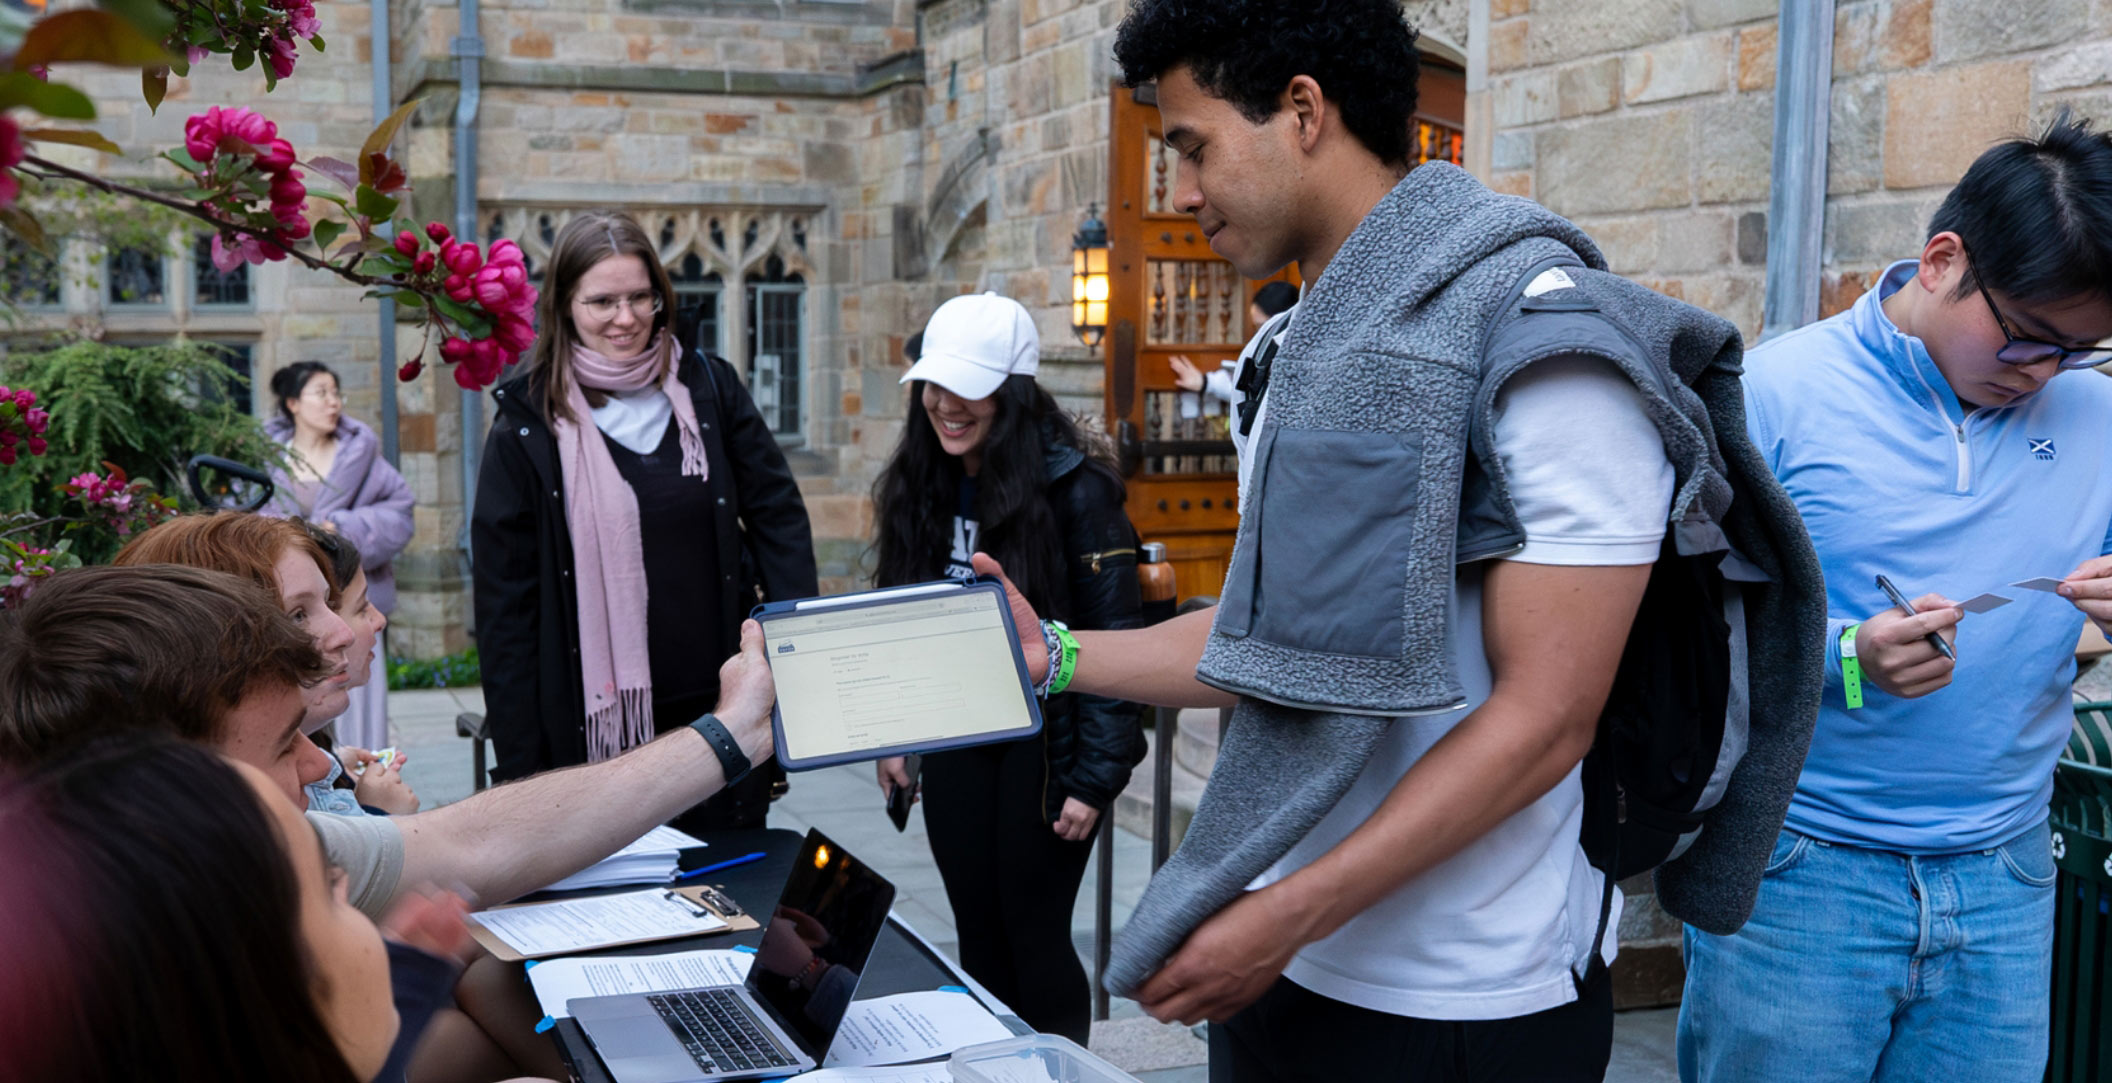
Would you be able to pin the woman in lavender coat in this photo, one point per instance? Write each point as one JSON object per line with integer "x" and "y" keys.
{"x": 336, "y": 478}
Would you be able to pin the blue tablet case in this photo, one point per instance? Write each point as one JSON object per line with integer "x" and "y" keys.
{"x": 768, "y": 611}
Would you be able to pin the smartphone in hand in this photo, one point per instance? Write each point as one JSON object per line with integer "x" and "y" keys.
{"x": 901, "y": 797}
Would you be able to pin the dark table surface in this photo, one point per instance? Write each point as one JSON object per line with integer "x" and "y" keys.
{"x": 900, "y": 963}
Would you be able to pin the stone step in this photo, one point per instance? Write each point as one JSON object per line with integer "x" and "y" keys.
{"x": 1143, "y": 1044}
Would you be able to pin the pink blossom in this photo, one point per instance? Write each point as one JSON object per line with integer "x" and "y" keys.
{"x": 504, "y": 252}
{"x": 10, "y": 157}
{"x": 300, "y": 17}
{"x": 463, "y": 259}
{"x": 410, "y": 370}
{"x": 407, "y": 243}
{"x": 37, "y": 445}
{"x": 438, "y": 232}
{"x": 455, "y": 351}
{"x": 424, "y": 264}
{"x": 277, "y": 156}
{"x": 25, "y": 398}
{"x": 278, "y": 52}
{"x": 247, "y": 249}
{"x": 490, "y": 288}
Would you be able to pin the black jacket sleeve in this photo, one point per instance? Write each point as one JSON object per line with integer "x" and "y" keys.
{"x": 507, "y": 574}
{"x": 773, "y": 516}
{"x": 1101, "y": 548}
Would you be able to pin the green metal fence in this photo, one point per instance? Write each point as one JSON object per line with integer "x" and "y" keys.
{"x": 2081, "y": 1050}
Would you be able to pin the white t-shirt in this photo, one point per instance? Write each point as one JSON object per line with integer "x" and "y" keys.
{"x": 1496, "y": 931}
{"x": 636, "y": 419}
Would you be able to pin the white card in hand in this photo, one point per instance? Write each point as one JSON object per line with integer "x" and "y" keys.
{"x": 2045, "y": 583}
{"x": 1983, "y": 603}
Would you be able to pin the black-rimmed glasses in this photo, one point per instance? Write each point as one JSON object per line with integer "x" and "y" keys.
{"x": 2025, "y": 350}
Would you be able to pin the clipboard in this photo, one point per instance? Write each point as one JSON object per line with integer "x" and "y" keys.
{"x": 895, "y": 672}
{"x": 705, "y": 896}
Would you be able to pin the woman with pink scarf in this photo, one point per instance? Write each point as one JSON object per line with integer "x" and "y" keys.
{"x": 632, "y": 508}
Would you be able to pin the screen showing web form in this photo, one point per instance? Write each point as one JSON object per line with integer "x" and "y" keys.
{"x": 899, "y": 673}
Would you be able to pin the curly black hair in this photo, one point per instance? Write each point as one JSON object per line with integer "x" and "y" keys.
{"x": 1361, "y": 52}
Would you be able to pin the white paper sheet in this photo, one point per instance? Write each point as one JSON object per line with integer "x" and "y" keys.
{"x": 912, "y": 1026}
{"x": 574, "y": 925}
{"x": 1982, "y": 603}
{"x": 650, "y": 859}
{"x": 559, "y": 980}
{"x": 2046, "y": 583}
{"x": 901, "y": 1073}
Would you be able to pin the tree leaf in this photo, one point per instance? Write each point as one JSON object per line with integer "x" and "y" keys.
{"x": 390, "y": 262}
{"x": 342, "y": 172}
{"x": 96, "y": 37}
{"x": 55, "y": 100}
{"x": 153, "y": 18}
{"x": 379, "y": 139}
{"x": 23, "y": 225}
{"x": 327, "y": 232}
{"x": 386, "y": 175}
{"x": 316, "y": 42}
{"x": 154, "y": 85}
{"x": 373, "y": 204}
{"x": 76, "y": 138}
{"x": 244, "y": 57}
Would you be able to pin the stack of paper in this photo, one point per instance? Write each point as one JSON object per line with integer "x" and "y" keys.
{"x": 650, "y": 860}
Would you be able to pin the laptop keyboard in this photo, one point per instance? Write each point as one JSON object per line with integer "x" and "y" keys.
{"x": 719, "y": 1032}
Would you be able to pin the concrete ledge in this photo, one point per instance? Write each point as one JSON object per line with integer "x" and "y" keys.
{"x": 906, "y": 68}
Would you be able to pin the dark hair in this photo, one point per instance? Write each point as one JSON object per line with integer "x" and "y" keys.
{"x": 914, "y": 498}
{"x": 2036, "y": 215}
{"x": 1276, "y": 298}
{"x": 913, "y": 347}
{"x": 153, "y": 925}
{"x": 151, "y": 649}
{"x": 342, "y": 553}
{"x": 589, "y": 238}
{"x": 1361, "y": 52}
{"x": 291, "y": 381}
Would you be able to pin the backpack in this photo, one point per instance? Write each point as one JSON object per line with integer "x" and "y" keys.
{"x": 1675, "y": 723}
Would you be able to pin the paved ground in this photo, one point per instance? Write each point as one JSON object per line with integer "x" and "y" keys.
{"x": 844, "y": 803}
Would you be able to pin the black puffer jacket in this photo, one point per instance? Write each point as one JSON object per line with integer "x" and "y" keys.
{"x": 1092, "y": 741}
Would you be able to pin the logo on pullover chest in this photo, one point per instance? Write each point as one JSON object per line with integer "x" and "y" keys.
{"x": 2042, "y": 450}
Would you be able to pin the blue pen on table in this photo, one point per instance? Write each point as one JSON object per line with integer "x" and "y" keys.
{"x": 1900, "y": 600}
{"x": 741, "y": 860}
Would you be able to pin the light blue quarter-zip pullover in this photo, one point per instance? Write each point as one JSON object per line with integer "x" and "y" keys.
{"x": 1894, "y": 476}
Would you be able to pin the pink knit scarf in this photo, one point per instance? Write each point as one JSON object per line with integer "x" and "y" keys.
{"x": 608, "y": 556}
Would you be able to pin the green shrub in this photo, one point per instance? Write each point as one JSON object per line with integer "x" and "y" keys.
{"x": 144, "y": 409}
{"x": 453, "y": 671}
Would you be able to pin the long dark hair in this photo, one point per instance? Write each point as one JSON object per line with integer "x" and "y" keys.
{"x": 589, "y": 238}
{"x": 151, "y": 925}
{"x": 914, "y": 497}
{"x": 292, "y": 381}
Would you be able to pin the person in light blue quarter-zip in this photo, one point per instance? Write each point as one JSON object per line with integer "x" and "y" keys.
{"x": 1904, "y": 926}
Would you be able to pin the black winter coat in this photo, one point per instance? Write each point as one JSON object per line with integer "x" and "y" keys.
{"x": 527, "y": 610}
{"x": 1093, "y": 741}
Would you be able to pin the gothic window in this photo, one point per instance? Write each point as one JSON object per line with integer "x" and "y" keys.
{"x": 212, "y": 285}
{"x": 776, "y": 336}
{"x": 134, "y": 276}
{"x": 28, "y": 278}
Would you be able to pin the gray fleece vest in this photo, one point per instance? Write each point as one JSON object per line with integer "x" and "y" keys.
{"x": 1377, "y": 479}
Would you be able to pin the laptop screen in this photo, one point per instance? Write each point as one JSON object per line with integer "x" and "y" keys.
{"x": 819, "y": 940}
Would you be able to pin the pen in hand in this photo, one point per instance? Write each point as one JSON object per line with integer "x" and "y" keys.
{"x": 1900, "y": 600}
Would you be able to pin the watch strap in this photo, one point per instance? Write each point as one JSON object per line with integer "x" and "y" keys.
{"x": 732, "y": 761}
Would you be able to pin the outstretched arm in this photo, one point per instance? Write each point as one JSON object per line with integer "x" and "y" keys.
{"x": 516, "y": 838}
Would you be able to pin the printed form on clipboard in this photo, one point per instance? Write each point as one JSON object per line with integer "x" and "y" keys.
{"x": 891, "y": 672}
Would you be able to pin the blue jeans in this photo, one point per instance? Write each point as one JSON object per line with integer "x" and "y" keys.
{"x": 1861, "y": 965}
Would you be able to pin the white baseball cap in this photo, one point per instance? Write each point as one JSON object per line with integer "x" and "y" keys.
{"x": 973, "y": 342}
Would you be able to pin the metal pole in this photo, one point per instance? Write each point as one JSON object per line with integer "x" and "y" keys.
{"x": 378, "y": 30}
{"x": 1796, "y": 207}
{"x": 1103, "y": 911}
{"x": 1166, "y": 727}
{"x": 469, "y": 53}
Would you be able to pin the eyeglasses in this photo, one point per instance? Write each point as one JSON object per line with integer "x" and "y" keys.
{"x": 644, "y": 305}
{"x": 324, "y": 394}
{"x": 2024, "y": 350}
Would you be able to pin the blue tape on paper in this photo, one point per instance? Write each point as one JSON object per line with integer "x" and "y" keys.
{"x": 530, "y": 964}
{"x": 544, "y": 1026}
{"x": 961, "y": 989}
{"x": 744, "y": 948}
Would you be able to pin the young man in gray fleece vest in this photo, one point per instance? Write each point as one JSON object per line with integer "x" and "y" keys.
{"x": 1444, "y": 541}
{"x": 1437, "y": 921}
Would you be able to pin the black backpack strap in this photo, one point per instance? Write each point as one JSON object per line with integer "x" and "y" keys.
{"x": 1253, "y": 380}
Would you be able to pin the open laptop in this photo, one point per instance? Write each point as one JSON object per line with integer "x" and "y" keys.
{"x": 781, "y": 1020}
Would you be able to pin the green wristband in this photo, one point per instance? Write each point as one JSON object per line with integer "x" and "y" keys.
{"x": 1851, "y": 668}
{"x": 1067, "y": 660}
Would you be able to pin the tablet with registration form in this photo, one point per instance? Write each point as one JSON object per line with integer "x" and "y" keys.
{"x": 891, "y": 672}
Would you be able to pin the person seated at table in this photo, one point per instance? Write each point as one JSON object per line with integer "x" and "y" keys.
{"x": 358, "y": 780}
{"x": 182, "y": 922}
{"x": 92, "y": 646}
{"x": 1270, "y": 301}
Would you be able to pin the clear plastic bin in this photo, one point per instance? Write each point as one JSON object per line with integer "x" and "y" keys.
{"x": 1036, "y": 1058}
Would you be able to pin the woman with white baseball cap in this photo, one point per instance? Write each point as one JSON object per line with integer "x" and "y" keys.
{"x": 989, "y": 463}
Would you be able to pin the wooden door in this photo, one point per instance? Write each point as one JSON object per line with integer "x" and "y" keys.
{"x": 1171, "y": 296}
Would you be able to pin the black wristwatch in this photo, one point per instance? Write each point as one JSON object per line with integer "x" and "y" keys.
{"x": 732, "y": 760}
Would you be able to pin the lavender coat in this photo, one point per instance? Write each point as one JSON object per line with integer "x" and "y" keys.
{"x": 364, "y": 496}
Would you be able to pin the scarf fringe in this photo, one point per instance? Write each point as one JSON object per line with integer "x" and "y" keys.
{"x": 620, "y": 726}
